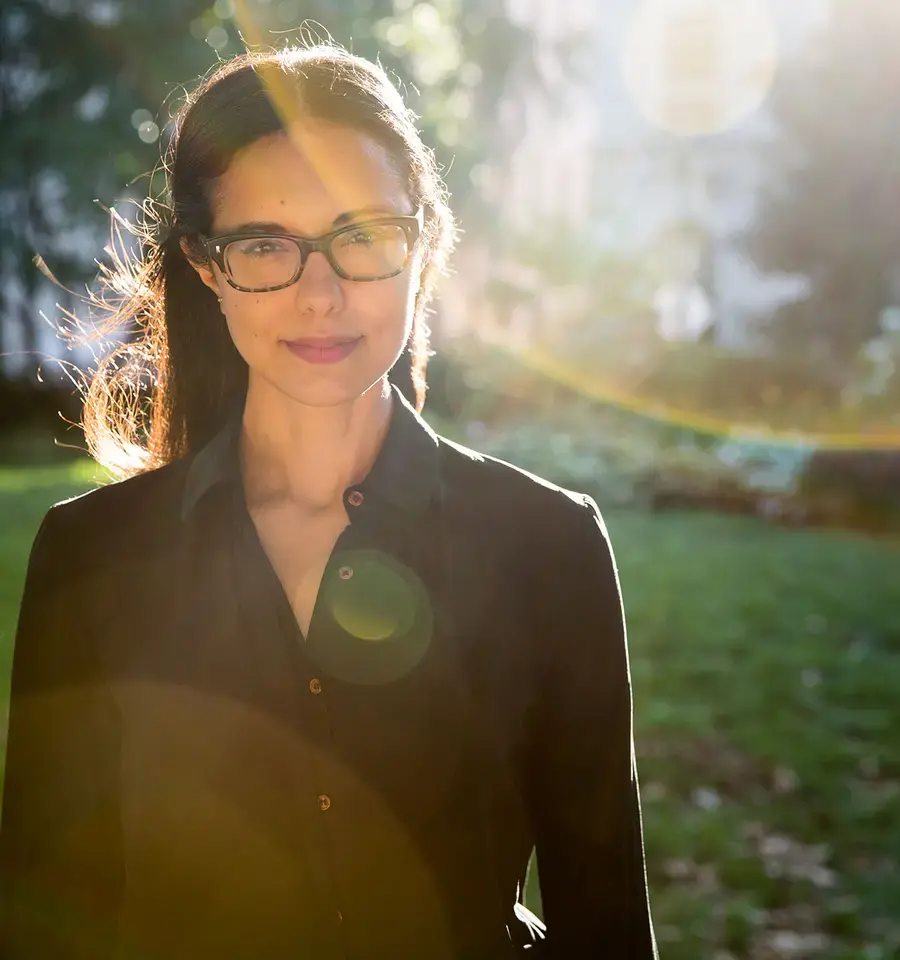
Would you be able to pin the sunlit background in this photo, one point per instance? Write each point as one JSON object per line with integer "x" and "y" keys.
{"x": 678, "y": 288}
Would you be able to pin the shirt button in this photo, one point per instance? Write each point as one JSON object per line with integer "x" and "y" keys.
{"x": 356, "y": 498}
{"x": 315, "y": 685}
{"x": 345, "y": 573}
{"x": 324, "y": 802}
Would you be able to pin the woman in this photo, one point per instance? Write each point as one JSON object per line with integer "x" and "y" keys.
{"x": 313, "y": 681}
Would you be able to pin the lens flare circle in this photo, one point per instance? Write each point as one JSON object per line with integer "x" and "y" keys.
{"x": 382, "y": 607}
{"x": 383, "y": 618}
{"x": 699, "y": 67}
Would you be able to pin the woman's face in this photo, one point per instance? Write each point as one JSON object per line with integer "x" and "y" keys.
{"x": 323, "y": 340}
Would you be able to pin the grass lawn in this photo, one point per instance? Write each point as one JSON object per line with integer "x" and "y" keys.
{"x": 766, "y": 668}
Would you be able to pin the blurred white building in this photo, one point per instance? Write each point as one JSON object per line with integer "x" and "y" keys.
{"x": 628, "y": 118}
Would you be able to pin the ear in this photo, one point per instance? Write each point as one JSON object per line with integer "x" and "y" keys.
{"x": 206, "y": 270}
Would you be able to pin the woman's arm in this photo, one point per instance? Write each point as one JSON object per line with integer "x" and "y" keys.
{"x": 583, "y": 781}
{"x": 60, "y": 846}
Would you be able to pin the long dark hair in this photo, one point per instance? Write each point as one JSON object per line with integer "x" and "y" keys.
{"x": 175, "y": 373}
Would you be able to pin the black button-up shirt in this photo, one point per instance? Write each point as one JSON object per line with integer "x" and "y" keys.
{"x": 188, "y": 776}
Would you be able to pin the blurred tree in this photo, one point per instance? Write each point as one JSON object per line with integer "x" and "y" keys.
{"x": 830, "y": 211}
{"x": 78, "y": 85}
{"x": 459, "y": 56}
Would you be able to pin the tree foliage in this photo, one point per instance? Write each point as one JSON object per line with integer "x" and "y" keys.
{"x": 830, "y": 211}
{"x": 73, "y": 74}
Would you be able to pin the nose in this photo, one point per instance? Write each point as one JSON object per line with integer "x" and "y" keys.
{"x": 318, "y": 289}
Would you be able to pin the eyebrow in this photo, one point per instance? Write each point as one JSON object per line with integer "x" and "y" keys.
{"x": 272, "y": 226}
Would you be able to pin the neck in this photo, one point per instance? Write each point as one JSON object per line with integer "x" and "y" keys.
{"x": 308, "y": 456}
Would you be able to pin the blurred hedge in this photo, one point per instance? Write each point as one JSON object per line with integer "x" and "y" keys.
{"x": 495, "y": 403}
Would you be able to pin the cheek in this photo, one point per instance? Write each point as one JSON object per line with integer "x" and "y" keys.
{"x": 252, "y": 318}
{"x": 386, "y": 305}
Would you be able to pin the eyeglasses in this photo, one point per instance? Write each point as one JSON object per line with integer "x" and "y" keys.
{"x": 365, "y": 251}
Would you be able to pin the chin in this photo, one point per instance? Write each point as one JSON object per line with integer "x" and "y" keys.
{"x": 330, "y": 391}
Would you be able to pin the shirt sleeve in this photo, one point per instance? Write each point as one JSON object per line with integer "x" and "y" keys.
{"x": 583, "y": 782}
{"x": 60, "y": 837}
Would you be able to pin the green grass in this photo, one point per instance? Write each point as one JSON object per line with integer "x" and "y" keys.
{"x": 766, "y": 668}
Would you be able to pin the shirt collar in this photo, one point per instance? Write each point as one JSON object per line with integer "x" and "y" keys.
{"x": 404, "y": 473}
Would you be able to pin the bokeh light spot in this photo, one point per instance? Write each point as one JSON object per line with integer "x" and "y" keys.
{"x": 288, "y": 11}
{"x": 148, "y": 132}
{"x": 217, "y": 37}
{"x": 139, "y": 117}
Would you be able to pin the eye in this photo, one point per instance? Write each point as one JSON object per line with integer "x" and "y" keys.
{"x": 368, "y": 236}
{"x": 262, "y": 247}
{"x": 359, "y": 238}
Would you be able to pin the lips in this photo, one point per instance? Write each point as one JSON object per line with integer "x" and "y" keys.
{"x": 323, "y": 349}
{"x": 321, "y": 343}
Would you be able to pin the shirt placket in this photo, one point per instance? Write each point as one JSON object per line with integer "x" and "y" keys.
{"x": 300, "y": 696}
{"x": 328, "y": 791}
{"x": 321, "y": 791}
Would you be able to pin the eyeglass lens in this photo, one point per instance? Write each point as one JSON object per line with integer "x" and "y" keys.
{"x": 367, "y": 253}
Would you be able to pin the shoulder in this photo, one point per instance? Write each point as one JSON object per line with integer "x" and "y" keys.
{"x": 547, "y": 544}
{"x": 106, "y": 522}
{"x": 500, "y": 493}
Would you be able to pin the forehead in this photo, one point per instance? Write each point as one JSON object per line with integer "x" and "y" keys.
{"x": 307, "y": 177}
